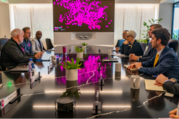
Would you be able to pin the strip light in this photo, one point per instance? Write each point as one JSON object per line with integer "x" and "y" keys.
{"x": 87, "y": 92}
{"x": 83, "y": 106}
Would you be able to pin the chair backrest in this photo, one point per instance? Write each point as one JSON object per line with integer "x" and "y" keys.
{"x": 143, "y": 46}
{"x": 2, "y": 42}
{"x": 173, "y": 44}
{"x": 49, "y": 43}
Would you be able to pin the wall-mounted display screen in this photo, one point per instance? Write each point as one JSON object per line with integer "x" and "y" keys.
{"x": 83, "y": 15}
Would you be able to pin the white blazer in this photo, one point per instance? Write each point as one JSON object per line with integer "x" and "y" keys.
{"x": 36, "y": 46}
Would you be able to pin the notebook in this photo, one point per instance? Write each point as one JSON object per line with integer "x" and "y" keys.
{"x": 149, "y": 85}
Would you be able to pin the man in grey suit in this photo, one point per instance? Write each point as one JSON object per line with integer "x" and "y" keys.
{"x": 37, "y": 45}
{"x": 149, "y": 51}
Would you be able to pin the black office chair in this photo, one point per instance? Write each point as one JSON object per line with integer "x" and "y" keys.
{"x": 143, "y": 46}
{"x": 173, "y": 44}
{"x": 49, "y": 43}
{"x": 2, "y": 42}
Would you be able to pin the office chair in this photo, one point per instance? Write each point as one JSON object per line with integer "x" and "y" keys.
{"x": 2, "y": 42}
{"x": 143, "y": 46}
{"x": 173, "y": 44}
{"x": 49, "y": 43}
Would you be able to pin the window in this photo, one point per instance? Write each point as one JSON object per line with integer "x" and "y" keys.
{"x": 37, "y": 17}
{"x": 175, "y": 29}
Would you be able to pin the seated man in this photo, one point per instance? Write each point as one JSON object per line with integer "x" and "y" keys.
{"x": 149, "y": 51}
{"x": 27, "y": 45}
{"x": 170, "y": 85}
{"x": 165, "y": 61}
{"x": 134, "y": 46}
{"x": 118, "y": 46}
{"x": 37, "y": 45}
{"x": 12, "y": 54}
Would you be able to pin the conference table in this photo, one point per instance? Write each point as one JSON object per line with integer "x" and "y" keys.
{"x": 117, "y": 98}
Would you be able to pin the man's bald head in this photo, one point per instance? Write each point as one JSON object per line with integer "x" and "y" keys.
{"x": 38, "y": 35}
{"x": 17, "y": 35}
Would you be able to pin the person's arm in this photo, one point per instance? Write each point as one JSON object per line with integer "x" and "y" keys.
{"x": 171, "y": 87}
{"x": 166, "y": 63}
{"x": 122, "y": 49}
{"x": 31, "y": 52}
{"x": 33, "y": 47}
{"x": 14, "y": 53}
{"x": 137, "y": 50}
{"x": 127, "y": 49}
{"x": 146, "y": 58}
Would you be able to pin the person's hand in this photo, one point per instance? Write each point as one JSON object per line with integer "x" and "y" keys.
{"x": 125, "y": 42}
{"x": 160, "y": 80}
{"x": 133, "y": 57}
{"x": 117, "y": 48}
{"x": 173, "y": 113}
{"x": 136, "y": 65}
{"x": 132, "y": 66}
{"x": 39, "y": 64}
{"x": 39, "y": 55}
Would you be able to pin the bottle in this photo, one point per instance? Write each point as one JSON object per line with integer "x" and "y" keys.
{"x": 31, "y": 64}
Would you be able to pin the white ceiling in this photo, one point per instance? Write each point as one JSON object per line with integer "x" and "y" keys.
{"x": 169, "y": 1}
{"x": 117, "y": 1}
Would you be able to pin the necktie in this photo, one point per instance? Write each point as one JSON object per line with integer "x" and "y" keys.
{"x": 156, "y": 59}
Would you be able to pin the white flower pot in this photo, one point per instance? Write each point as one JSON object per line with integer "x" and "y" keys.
{"x": 71, "y": 74}
{"x": 84, "y": 49}
{"x": 79, "y": 55}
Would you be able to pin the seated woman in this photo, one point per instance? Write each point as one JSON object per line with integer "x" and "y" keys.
{"x": 134, "y": 47}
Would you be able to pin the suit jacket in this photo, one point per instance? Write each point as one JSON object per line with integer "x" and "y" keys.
{"x": 171, "y": 87}
{"x": 36, "y": 46}
{"x": 12, "y": 55}
{"x": 136, "y": 49}
{"x": 148, "y": 54}
{"x": 119, "y": 43}
{"x": 27, "y": 44}
{"x": 167, "y": 65}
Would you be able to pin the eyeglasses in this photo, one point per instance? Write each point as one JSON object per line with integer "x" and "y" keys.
{"x": 28, "y": 32}
{"x": 129, "y": 36}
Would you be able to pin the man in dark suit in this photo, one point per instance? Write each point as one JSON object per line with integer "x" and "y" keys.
{"x": 27, "y": 44}
{"x": 37, "y": 45}
{"x": 118, "y": 46}
{"x": 149, "y": 51}
{"x": 165, "y": 61}
{"x": 134, "y": 46}
{"x": 13, "y": 54}
{"x": 170, "y": 85}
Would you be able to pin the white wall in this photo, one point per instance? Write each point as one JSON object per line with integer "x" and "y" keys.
{"x": 50, "y": 1}
{"x": 138, "y": 1}
{"x": 165, "y": 12}
{"x": 4, "y": 20}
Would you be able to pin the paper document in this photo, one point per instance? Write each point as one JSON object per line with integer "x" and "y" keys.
{"x": 120, "y": 55}
{"x": 150, "y": 85}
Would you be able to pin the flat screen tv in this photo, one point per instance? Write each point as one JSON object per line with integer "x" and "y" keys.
{"x": 83, "y": 15}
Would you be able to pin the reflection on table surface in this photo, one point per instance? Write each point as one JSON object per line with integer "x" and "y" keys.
{"x": 117, "y": 98}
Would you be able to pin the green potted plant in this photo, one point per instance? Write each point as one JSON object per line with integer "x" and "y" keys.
{"x": 71, "y": 69}
{"x": 79, "y": 52}
{"x": 145, "y": 32}
{"x": 84, "y": 45}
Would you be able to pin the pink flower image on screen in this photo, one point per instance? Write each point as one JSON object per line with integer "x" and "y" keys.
{"x": 81, "y": 12}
